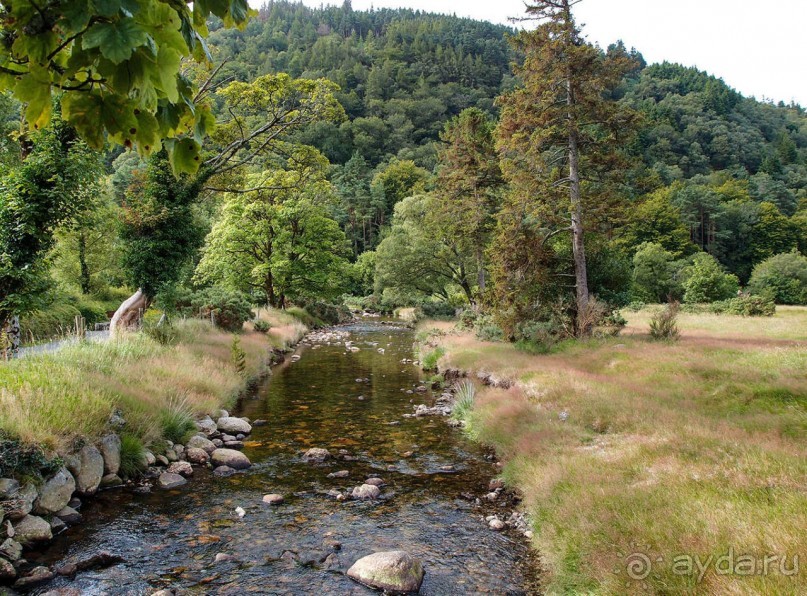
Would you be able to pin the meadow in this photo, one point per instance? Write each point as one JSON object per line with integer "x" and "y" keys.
{"x": 642, "y": 463}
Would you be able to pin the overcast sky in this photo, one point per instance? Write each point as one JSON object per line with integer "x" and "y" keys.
{"x": 758, "y": 47}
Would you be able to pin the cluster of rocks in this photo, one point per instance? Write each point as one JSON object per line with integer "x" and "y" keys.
{"x": 31, "y": 514}
{"x": 328, "y": 337}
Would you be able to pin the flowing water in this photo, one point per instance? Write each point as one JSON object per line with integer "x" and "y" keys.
{"x": 170, "y": 539}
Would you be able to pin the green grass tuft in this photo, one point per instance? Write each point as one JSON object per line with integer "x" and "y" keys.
{"x": 132, "y": 456}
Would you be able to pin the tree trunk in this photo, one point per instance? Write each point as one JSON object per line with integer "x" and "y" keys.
{"x": 82, "y": 259}
{"x": 11, "y": 334}
{"x": 129, "y": 313}
{"x": 480, "y": 269}
{"x": 578, "y": 247}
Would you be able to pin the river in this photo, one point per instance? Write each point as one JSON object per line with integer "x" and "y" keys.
{"x": 352, "y": 403}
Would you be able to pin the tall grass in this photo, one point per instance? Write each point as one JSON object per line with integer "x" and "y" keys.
{"x": 664, "y": 449}
{"x": 51, "y": 399}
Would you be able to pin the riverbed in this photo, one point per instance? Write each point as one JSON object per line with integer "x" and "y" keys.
{"x": 353, "y": 403}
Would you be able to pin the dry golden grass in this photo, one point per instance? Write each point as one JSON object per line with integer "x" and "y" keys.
{"x": 51, "y": 399}
{"x": 625, "y": 446}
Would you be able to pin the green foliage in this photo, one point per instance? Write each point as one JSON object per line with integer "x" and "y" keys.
{"x": 262, "y": 326}
{"x": 44, "y": 192}
{"x": 226, "y": 309}
{"x": 18, "y": 460}
{"x": 58, "y": 311}
{"x": 124, "y": 82}
{"x": 782, "y": 277}
{"x": 132, "y": 456}
{"x": 176, "y": 423}
{"x": 487, "y": 329}
{"x": 654, "y": 274}
{"x": 305, "y": 317}
{"x": 330, "y": 314}
{"x": 746, "y": 305}
{"x": 464, "y": 396}
{"x": 429, "y": 361}
{"x": 705, "y": 281}
{"x": 162, "y": 331}
{"x": 664, "y": 323}
{"x": 238, "y": 356}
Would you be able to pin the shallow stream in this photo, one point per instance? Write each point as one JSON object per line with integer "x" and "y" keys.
{"x": 433, "y": 476}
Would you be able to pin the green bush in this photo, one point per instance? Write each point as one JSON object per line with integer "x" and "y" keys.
{"x": 464, "y": 395}
{"x": 783, "y": 277}
{"x": 653, "y": 274}
{"x": 432, "y": 309}
{"x": 468, "y": 318}
{"x": 228, "y": 310}
{"x": 745, "y": 305}
{"x": 305, "y": 317}
{"x": 664, "y": 324}
{"x": 705, "y": 281}
{"x": 237, "y": 355}
{"x": 330, "y": 314}
{"x": 261, "y": 326}
{"x": 487, "y": 330}
{"x": 132, "y": 456}
{"x": 177, "y": 424}
{"x": 18, "y": 460}
{"x": 429, "y": 361}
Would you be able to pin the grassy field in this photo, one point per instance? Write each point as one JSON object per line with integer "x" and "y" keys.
{"x": 53, "y": 399}
{"x": 643, "y": 463}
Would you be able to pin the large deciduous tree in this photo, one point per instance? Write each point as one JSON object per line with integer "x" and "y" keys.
{"x": 118, "y": 67}
{"x": 261, "y": 116}
{"x": 560, "y": 131}
{"x": 279, "y": 242}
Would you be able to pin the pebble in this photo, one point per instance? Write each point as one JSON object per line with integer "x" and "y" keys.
{"x": 273, "y": 499}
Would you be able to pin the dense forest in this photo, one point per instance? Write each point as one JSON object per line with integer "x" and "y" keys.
{"x": 404, "y": 182}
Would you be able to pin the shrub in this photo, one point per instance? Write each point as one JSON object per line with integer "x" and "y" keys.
{"x": 468, "y": 318}
{"x": 464, "y": 395}
{"x": 487, "y": 330}
{"x": 177, "y": 423}
{"x": 157, "y": 326}
{"x": 783, "y": 276}
{"x": 330, "y": 314}
{"x": 429, "y": 361}
{"x": 705, "y": 281}
{"x": 18, "y": 459}
{"x": 261, "y": 326}
{"x": 226, "y": 309}
{"x": 664, "y": 324}
{"x": 305, "y": 317}
{"x": 433, "y": 309}
{"x": 132, "y": 456}
{"x": 746, "y": 305}
{"x": 237, "y": 355}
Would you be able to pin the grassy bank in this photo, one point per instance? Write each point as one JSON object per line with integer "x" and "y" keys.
{"x": 626, "y": 448}
{"x": 54, "y": 399}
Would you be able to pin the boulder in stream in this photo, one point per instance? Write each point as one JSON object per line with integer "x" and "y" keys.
{"x": 32, "y": 529}
{"x": 395, "y": 572}
{"x": 168, "y": 480}
{"x": 109, "y": 447}
{"x": 91, "y": 470}
{"x": 366, "y": 492}
{"x": 55, "y": 493}
{"x": 233, "y": 425}
{"x": 316, "y": 455}
{"x": 273, "y": 499}
{"x": 231, "y": 458}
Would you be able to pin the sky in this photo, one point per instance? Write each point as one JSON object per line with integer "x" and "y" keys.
{"x": 759, "y": 47}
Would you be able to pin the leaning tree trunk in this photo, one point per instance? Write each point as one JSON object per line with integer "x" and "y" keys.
{"x": 578, "y": 246}
{"x": 129, "y": 313}
{"x": 11, "y": 335}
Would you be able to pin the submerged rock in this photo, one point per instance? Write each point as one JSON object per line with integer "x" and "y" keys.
{"x": 69, "y": 515}
{"x": 339, "y": 474}
{"x": 366, "y": 492}
{"x": 393, "y": 571}
{"x": 224, "y": 471}
{"x": 231, "y": 458}
{"x": 168, "y": 480}
{"x": 37, "y": 576}
{"x": 316, "y": 455}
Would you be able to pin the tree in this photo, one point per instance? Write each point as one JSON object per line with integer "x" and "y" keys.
{"x": 469, "y": 183}
{"x": 44, "y": 192}
{"x": 783, "y": 276}
{"x": 395, "y": 182}
{"x": 279, "y": 242}
{"x": 418, "y": 256}
{"x": 262, "y": 116}
{"x": 118, "y": 68}
{"x": 653, "y": 273}
{"x": 559, "y": 131}
{"x": 705, "y": 281}
{"x": 657, "y": 220}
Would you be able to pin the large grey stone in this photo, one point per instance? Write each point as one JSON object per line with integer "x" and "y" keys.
{"x": 182, "y": 468}
{"x": 111, "y": 481}
{"x": 8, "y": 487}
{"x": 168, "y": 480}
{"x": 197, "y": 456}
{"x": 55, "y": 493}
{"x": 32, "y": 529}
{"x": 231, "y": 424}
{"x": 91, "y": 470}
{"x": 392, "y": 571}
{"x": 231, "y": 458}
{"x": 69, "y": 515}
{"x": 20, "y": 501}
{"x": 316, "y": 454}
{"x": 366, "y": 492}
{"x": 11, "y": 549}
{"x": 109, "y": 447}
{"x": 200, "y": 442}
